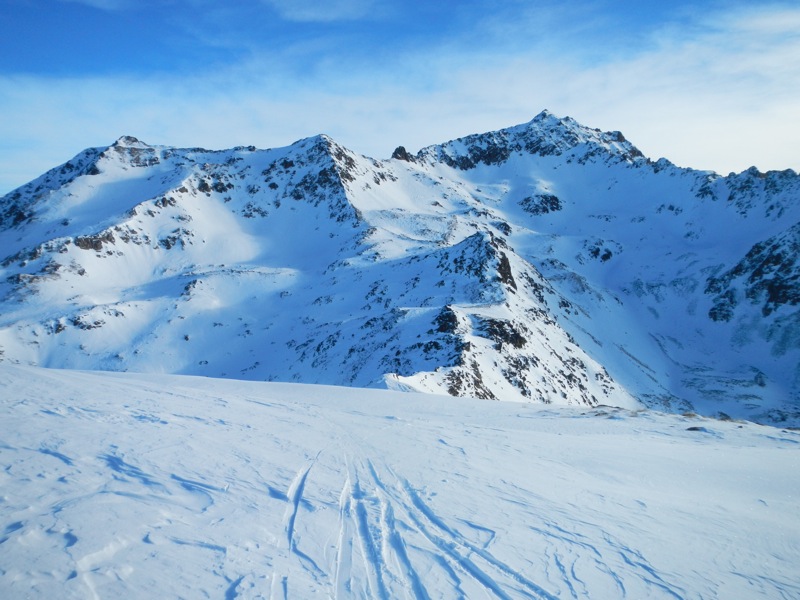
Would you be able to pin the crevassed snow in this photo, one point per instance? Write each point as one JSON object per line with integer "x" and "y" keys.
{"x": 143, "y": 486}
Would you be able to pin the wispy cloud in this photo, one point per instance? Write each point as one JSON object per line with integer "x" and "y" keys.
{"x": 730, "y": 89}
{"x": 720, "y": 93}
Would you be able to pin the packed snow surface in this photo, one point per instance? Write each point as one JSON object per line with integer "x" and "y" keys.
{"x": 162, "y": 486}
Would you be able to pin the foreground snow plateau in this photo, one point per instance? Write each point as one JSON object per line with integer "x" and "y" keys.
{"x": 143, "y": 486}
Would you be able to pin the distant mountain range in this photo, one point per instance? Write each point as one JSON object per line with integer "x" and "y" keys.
{"x": 547, "y": 262}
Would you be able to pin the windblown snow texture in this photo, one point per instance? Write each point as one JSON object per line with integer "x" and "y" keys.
{"x": 147, "y": 486}
{"x": 548, "y": 262}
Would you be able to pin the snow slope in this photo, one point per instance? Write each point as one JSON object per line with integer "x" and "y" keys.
{"x": 548, "y": 262}
{"x": 143, "y": 486}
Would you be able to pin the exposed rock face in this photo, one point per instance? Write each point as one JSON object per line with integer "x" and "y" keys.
{"x": 400, "y": 153}
{"x": 545, "y": 262}
{"x": 768, "y": 276}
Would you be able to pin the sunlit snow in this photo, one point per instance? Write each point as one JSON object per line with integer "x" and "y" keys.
{"x": 546, "y": 262}
{"x": 157, "y": 486}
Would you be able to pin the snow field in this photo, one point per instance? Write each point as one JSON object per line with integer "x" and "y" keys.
{"x": 142, "y": 486}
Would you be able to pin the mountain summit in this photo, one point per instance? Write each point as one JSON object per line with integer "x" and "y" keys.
{"x": 545, "y": 135}
{"x": 546, "y": 262}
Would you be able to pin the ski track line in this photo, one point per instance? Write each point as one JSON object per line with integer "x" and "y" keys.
{"x": 343, "y": 568}
{"x": 630, "y": 557}
{"x": 552, "y": 531}
{"x": 365, "y": 513}
{"x": 448, "y": 541}
{"x": 569, "y": 541}
{"x": 393, "y": 544}
{"x": 634, "y": 558}
{"x": 295, "y": 495}
{"x": 656, "y": 580}
{"x": 279, "y": 588}
{"x": 490, "y": 532}
{"x": 373, "y": 559}
{"x": 564, "y": 576}
{"x": 461, "y": 562}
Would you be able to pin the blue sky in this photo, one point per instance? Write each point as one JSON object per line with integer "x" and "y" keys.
{"x": 708, "y": 84}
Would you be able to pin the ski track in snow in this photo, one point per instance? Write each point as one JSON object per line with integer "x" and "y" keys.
{"x": 294, "y": 496}
{"x": 282, "y": 491}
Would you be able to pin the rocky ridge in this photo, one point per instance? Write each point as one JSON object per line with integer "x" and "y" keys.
{"x": 546, "y": 262}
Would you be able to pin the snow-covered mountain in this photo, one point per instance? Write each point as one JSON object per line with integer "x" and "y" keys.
{"x": 545, "y": 262}
{"x": 120, "y": 485}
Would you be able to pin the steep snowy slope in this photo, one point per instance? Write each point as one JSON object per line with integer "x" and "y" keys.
{"x": 635, "y": 247}
{"x": 146, "y": 486}
{"x": 545, "y": 262}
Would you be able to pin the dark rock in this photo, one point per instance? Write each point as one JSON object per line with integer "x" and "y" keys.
{"x": 94, "y": 242}
{"x": 541, "y": 204}
{"x": 400, "y": 153}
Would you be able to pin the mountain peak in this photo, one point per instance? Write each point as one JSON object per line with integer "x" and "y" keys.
{"x": 566, "y": 133}
{"x": 544, "y": 135}
{"x": 549, "y": 116}
{"x": 128, "y": 141}
{"x": 513, "y": 264}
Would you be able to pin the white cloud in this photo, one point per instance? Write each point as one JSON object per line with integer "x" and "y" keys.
{"x": 722, "y": 97}
{"x": 726, "y": 96}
